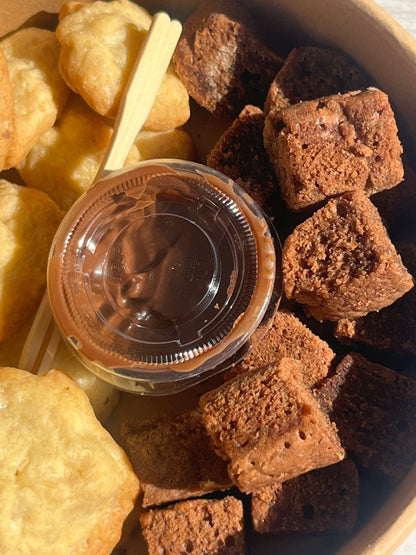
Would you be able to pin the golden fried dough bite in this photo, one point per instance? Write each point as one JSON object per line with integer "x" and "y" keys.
{"x": 171, "y": 106}
{"x": 66, "y": 485}
{"x": 39, "y": 91}
{"x": 66, "y": 159}
{"x": 28, "y": 221}
{"x": 100, "y": 42}
{"x": 175, "y": 143}
{"x": 6, "y": 110}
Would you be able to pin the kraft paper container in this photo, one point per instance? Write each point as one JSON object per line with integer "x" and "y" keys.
{"x": 378, "y": 43}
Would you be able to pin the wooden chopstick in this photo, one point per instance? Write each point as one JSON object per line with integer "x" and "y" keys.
{"x": 137, "y": 100}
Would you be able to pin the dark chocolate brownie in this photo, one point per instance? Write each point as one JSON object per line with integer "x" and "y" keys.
{"x": 374, "y": 408}
{"x": 240, "y": 155}
{"x": 322, "y": 500}
{"x": 221, "y": 59}
{"x": 310, "y": 72}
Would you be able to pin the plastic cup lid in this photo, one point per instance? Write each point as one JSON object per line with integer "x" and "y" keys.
{"x": 161, "y": 272}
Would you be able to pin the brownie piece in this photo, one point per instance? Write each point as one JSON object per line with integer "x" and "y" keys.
{"x": 208, "y": 526}
{"x": 240, "y": 155}
{"x": 323, "y": 147}
{"x": 374, "y": 408}
{"x": 322, "y": 500}
{"x": 341, "y": 263}
{"x": 221, "y": 59}
{"x": 310, "y": 72}
{"x": 289, "y": 337}
{"x": 392, "y": 328}
{"x": 395, "y": 203}
{"x": 173, "y": 459}
{"x": 269, "y": 426}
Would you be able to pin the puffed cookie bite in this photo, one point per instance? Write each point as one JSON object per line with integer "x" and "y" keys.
{"x": 175, "y": 143}
{"x": 100, "y": 42}
{"x": 66, "y": 485}
{"x": 6, "y": 110}
{"x": 65, "y": 161}
{"x": 28, "y": 222}
{"x": 67, "y": 157}
{"x": 39, "y": 91}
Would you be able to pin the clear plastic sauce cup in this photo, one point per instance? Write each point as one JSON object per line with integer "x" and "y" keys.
{"x": 162, "y": 275}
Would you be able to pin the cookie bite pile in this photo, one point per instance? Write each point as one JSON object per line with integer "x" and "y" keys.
{"x": 58, "y": 108}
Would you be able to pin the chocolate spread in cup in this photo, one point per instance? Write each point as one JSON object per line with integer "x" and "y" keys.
{"x": 161, "y": 269}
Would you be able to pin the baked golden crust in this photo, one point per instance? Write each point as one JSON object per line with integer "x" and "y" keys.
{"x": 28, "y": 222}
{"x": 100, "y": 43}
{"x": 39, "y": 91}
{"x": 65, "y": 161}
{"x": 66, "y": 486}
{"x": 67, "y": 157}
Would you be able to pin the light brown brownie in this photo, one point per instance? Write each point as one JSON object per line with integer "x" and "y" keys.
{"x": 240, "y": 155}
{"x": 374, "y": 408}
{"x": 310, "y": 72}
{"x": 289, "y": 337}
{"x": 221, "y": 59}
{"x": 173, "y": 458}
{"x": 203, "y": 526}
{"x": 322, "y": 500}
{"x": 269, "y": 426}
{"x": 393, "y": 327}
{"x": 324, "y": 147}
{"x": 341, "y": 263}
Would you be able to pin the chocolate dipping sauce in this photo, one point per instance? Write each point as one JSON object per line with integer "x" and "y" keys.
{"x": 159, "y": 275}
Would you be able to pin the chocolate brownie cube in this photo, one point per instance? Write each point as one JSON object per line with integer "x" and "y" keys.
{"x": 324, "y": 147}
{"x": 374, "y": 408}
{"x": 240, "y": 155}
{"x": 173, "y": 458}
{"x": 341, "y": 263}
{"x": 322, "y": 500}
{"x": 208, "y": 526}
{"x": 269, "y": 426}
{"x": 221, "y": 59}
{"x": 310, "y": 72}
{"x": 393, "y": 327}
{"x": 289, "y": 337}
